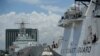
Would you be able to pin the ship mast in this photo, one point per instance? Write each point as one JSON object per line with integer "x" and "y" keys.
{"x": 22, "y": 29}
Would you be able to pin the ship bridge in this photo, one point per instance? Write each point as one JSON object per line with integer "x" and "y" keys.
{"x": 73, "y": 14}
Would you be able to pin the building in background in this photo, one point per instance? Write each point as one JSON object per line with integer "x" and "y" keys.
{"x": 11, "y": 35}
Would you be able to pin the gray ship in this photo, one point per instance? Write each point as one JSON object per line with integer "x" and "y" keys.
{"x": 25, "y": 45}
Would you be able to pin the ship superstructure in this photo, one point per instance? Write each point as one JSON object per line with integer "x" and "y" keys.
{"x": 23, "y": 40}
{"x": 24, "y": 45}
{"x": 72, "y": 23}
{"x": 81, "y": 29}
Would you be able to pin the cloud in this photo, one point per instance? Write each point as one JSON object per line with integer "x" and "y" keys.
{"x": 2, "y": 44}
{"x": 54, "y": 9}
{"x": 45, "y": 23}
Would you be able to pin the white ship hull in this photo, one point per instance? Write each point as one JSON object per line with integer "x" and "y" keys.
{"x": 82, "y": 37}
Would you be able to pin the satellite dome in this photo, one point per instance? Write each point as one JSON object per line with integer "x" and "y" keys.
{"x": 74, "y": 6}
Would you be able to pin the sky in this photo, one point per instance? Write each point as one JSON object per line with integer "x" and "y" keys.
{"x": 41, "y": 14}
